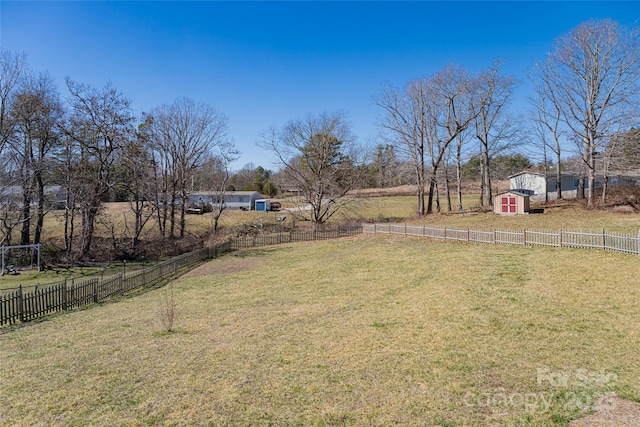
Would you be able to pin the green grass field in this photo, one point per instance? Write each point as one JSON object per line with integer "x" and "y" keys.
{"x": 367, "y": 209}
{"x": 32, "y": 277}
{"x": 367, "y": 331}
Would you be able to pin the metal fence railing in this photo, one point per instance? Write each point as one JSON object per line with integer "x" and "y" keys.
{"x": 26, "y": 303}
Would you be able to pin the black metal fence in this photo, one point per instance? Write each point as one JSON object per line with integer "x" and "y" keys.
{"x": 23, "y": 304}
{"x": 294, "y": 236}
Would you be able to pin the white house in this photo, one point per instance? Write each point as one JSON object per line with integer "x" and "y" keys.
{"x": 533, "y": 184}
{"x": 244, "y": 200}
{"x": 54, "y": 194}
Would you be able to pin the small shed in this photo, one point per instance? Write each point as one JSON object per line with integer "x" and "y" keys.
{"x": 511, "y": 203}
{"x": 263, "y": 205}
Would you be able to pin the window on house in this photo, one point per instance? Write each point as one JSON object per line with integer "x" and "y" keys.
{"x": 508, "y": 204}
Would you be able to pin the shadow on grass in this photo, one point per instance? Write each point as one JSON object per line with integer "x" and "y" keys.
{"x": 251, "y": 253}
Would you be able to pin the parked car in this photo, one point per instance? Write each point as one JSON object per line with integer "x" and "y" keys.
{"x": 275, "y": 206}
{"x": 200, "y": 208}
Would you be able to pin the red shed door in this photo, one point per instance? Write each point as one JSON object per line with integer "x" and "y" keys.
{"x": 508, "y": 204}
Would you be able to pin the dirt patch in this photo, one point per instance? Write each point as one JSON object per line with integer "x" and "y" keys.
{"x": 613, "y": 412}
{"x": 628, "y": 208}
{"x": 227, "y": 267}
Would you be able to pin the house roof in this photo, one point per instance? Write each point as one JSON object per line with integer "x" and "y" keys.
{"x": 526, "y": 173}
{"x": 17, "y": 190}
{"x": 550, "y": 176}
{"x": 517, "y": 193}
{"x": 228, "y": 193}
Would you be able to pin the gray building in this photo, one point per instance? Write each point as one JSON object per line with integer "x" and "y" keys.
{"x": 245, "y": 200}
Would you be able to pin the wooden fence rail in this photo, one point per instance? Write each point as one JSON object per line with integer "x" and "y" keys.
{"x": 605, "y": 240}
{"x": 28, "y": 303}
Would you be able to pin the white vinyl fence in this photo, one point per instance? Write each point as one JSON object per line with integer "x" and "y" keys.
{"x": 605, "y": 240}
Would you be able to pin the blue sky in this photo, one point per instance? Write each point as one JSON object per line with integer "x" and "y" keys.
{"x": 264, "y": 63}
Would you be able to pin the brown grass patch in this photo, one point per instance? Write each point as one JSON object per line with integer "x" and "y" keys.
{"x": 616, "y": 412}
{"x": 213, "y": 267}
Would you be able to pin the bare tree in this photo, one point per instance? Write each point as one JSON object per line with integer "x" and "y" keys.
{"x": 594, "y": 71}
{"x": 547, "y": 121}
{"x": 384, "y": 171}
{"x": 219, "y": 179}
{"x": 449, "y": 113}
{"x": 37, "y": 113}
{"x": 101, "y": 123}
{"x": 462, "y": 140}
{"x": 66, "y": 158}
{"x": 137, "y": 177}
{"x": 184, "y": 133}
{"x": 12, "y": 68}
{"x": 320, "y": 157}
{"x": 404, "y": 123}
{"x": 621, "y": 154}
{"x": 492, "y": 125}
{"x": 10, "y": 203}
{"x": 624, "y": 150}
{"x": 424, "y": 119}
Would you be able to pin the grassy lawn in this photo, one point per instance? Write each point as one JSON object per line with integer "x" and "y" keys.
{"x": 396, "y": 208}
{"x": 31, "y": 277}
{"x": 564, "y": 214}
{"x": 554, "y": 217}
{"x": 389, "y": 208}
{"x": 368, "y": 331}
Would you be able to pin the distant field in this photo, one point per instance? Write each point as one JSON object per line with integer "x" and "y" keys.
{"x": 566, "y": 216}
{"x": 398, "y": 208}
{"x": 367, "y": 331}
{"x": 382, "y": 208}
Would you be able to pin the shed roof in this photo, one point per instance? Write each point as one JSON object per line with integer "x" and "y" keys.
{"x": 517, "y": 193}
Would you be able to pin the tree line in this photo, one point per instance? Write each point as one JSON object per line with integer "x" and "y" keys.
{"x": 434, "y": 132}
{"x": 586, "y": 101}
{"x": 435, "y": 128}
{"x": 91, "y": 148}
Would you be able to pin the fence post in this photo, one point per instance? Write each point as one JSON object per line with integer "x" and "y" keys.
{"x": 604, "y": 240}
{"x": 524, "y": 236}
{"x": 560, "y": 238}
{"x": 20, "y": 304}
{"x": 95, "y": 291}
{"x": 445, "y": 233}
{"x": 64, "y": 294}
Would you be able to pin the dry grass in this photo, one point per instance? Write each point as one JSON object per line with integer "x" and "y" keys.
{"x": 32, "y": 277}
{"x": 369, "y": 331}
{"x": 564, "y": 215}
{"x": 396, "y": 204}
{"x": 391, "y": 204}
